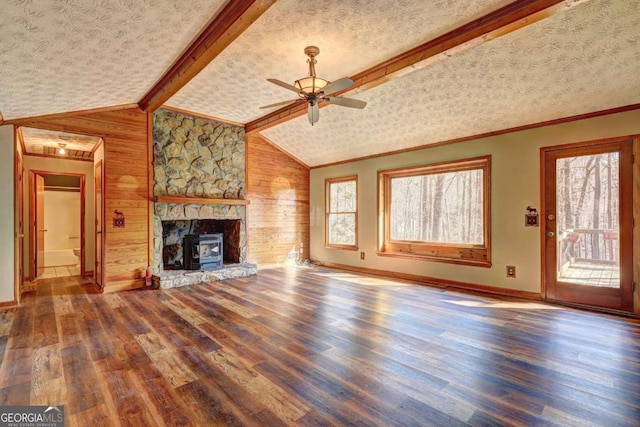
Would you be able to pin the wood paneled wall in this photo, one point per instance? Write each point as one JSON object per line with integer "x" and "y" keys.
{"x": 278, "y": 216}
{"x": 126, "y": 180}
{"x": 277, "y": 185}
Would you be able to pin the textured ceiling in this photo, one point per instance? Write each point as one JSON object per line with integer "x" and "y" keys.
{"x": 352, "y": 36}
{"x": 67, "y": 55}
{"x": 582, "y": 60}
{"x": 35, "y": 140}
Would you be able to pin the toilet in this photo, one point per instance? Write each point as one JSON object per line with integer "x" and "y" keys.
{"x": 76, "y": 252}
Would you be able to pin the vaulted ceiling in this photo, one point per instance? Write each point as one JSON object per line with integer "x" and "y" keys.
{"x": 542, "y": 60}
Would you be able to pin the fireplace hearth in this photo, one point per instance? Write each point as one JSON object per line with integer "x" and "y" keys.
{"x": 203, "y": 251}
{"x": 173, "y": 221}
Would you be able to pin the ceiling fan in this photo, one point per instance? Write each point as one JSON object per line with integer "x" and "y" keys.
{"x": 313, "y": 89}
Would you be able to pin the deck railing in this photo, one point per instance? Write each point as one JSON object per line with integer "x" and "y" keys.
{"x": 588, "y": 245}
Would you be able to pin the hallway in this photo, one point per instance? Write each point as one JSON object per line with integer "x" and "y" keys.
{"x": 60, "y": 271}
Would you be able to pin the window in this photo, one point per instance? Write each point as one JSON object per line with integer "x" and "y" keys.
{"x": 341, "y": 225}
{"x": 439, "y": 212}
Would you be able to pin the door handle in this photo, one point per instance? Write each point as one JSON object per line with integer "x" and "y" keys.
{"x": 551, "y": 234}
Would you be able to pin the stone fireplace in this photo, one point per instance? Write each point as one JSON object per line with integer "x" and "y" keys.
{"x": 231, "y": 218}
{"x": 199, "y": 187}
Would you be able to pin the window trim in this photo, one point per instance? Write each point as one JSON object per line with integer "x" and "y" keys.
{"x": 454, "y": 253}
{"x": 327, "y": 204}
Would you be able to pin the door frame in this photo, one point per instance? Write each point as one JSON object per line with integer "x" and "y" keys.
{"x": 99, "y": 165}
{"x": 32, "y": 217}
{"x": 634, "y": 258}
{"x": 19, "y": 174}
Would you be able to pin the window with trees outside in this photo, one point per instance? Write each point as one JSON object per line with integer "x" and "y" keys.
{"x": 341, "y": 225}
{"x": 439, "y": 212}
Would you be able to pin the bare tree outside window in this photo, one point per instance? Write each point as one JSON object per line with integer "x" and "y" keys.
{"x": 450, "y": 205}
{"x": 341, "y": 202}
{"x": 588, "y": 218}
{"x": 438, "y": 212}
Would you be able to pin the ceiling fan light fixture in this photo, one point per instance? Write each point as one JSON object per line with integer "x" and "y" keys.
{"x": 314, "y": 90}
{"x": 309, "y": 85}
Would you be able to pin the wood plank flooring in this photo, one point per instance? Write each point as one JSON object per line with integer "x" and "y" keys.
{"x": 311, "y": 346}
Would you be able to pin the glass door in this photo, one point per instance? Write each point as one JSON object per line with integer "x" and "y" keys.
{"x": 588, "y": 224}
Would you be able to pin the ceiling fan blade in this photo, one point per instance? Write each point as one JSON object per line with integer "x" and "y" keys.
{"x": 346, "y": 102}
{"x": 277, "y": 104}
{"x": 338, "y": 85}
{"x": 284, "y": 85}
{"x": 314, "y": 113}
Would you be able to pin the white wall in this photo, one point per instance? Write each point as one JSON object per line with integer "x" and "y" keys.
{"x": 69, "y": 166}
{"x": 61, "y": 220}
{"x": 7, "y": 236}
{"x": 515, "y": 185}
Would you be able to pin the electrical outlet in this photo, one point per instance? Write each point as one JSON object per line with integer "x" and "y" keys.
{"x": 361, "y": 255}
{"x": 511, "y": 271}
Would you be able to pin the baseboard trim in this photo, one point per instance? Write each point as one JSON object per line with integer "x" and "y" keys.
{"x": 8, "y": 304}
{"x": 435, "y": 282}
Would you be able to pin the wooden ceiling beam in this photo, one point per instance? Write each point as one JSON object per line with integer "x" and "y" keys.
{"x": 236, "y": 17}
{"x": 505, "y": 20}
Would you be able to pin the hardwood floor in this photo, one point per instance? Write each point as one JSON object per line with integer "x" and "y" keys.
{"x": 315, "y": 347}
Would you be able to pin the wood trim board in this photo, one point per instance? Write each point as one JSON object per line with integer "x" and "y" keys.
{"x": 8, "y": 304}
{"x": 636, "y": 221}
{"x": 203, "y": 201}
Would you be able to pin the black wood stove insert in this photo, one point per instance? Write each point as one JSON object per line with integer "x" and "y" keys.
{"x": 202, "y": 251}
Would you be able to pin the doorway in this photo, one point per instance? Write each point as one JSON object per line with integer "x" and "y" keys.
{"x": 587, "y": 248}
{"x": 56, "y": 223}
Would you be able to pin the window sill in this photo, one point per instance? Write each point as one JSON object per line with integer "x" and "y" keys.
{"x": 343, "y": 247}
